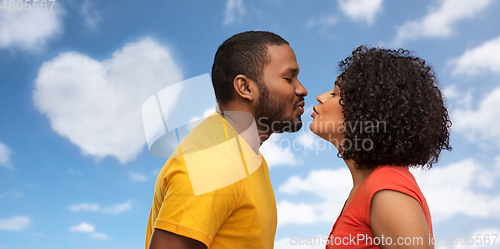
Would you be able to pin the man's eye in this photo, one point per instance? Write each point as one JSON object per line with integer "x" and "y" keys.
{"x": 289, "y": 80}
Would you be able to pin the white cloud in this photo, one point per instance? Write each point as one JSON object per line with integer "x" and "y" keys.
{"x": 461, "y": 98}
{"x": 451, "y": 92}
{"x": 478, "y": 239}
{"x": 97, "y": 104}
{"x": 322, "y": 21}
{"x": 307, "y": 140}
{"x": 361, "y": 10}
{"x": 91, "y": 17}
{"x": 12, "y": 194}
{"x": 83, "y": 227}
{"x": 94, "y": 207}
{"x": 481, "y": 59}
{"x": 452, "y": 190}
{"x": 287, "y": 213}
{"x": 23, "y": 29}
{"x": 319, "y": 183}
{"x": 118, "y": 208}
{"x": 5, "y": 153}
{"x": 480, "y": 125}
{"x": 332, "y": 195}
{"x": 296, "y": 241}
{"x": 440, "y": 20}
{"x": 137, "y": 177}
{"x": 234, "y": 12}
{"x": 16, "y": 223}
{"x": 277, "y": 151}
{"x": 99, "y": 236}
{"x": 75, "y": 172}
{"x": 479, "y": 236}
{"x": 206, "y": 113}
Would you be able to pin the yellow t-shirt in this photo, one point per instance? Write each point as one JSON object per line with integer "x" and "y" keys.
{"x": 215, "y": 189}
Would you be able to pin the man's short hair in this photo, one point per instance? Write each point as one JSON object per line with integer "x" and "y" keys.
{"x": 244, "y": 53}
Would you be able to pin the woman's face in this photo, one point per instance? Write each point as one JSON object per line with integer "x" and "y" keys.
{"x": 328, "y": 119}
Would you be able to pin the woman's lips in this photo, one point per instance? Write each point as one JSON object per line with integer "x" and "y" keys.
{"x": 314, "y": 112}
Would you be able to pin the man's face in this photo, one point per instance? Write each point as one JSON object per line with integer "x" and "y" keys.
{"x": 281, "y": 95}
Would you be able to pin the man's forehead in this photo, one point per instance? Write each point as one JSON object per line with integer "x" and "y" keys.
{"x": 283, "y": 57}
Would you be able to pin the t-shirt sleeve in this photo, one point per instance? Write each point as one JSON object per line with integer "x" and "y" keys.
{"x": 388, "y": 179}
{"x": 195, "y": 216}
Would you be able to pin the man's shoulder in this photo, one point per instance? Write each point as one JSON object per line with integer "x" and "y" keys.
{"x": 206, "y": 135}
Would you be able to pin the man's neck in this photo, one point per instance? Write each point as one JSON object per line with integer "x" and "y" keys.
{"x": 244, "y": 124}
{"x": 263, "y": 133}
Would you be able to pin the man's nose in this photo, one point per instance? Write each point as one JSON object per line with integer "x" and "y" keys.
{"x": 300, "y": 90}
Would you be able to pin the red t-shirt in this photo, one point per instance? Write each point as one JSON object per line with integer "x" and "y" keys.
{"x": 352, "y": 228}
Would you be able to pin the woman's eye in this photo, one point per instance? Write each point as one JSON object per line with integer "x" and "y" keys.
{"x": 333, "y": 94}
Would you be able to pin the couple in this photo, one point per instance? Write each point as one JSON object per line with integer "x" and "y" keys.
{"x": 384, "y": 115}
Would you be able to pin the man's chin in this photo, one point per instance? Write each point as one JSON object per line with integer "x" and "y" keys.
{"x": 290, "y": 126}
{"x": 298, "y": 126}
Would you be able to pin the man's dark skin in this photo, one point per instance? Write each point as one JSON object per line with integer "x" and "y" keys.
{"x": 164, "y": 239}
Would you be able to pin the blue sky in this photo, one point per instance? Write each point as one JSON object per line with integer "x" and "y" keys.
{"x": 75, "y": 171}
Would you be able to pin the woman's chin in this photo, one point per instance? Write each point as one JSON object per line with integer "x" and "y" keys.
{"x": 313, "y": 127}
{"x": 321, "y": 135}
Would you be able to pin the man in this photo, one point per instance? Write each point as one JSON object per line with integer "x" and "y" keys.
{"x": 214, "y": 190}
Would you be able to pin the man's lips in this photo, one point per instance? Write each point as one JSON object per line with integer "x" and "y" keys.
{"x": 301, "y": 108}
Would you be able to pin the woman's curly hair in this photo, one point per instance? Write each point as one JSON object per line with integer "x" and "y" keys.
{"x": 391, "y": 98}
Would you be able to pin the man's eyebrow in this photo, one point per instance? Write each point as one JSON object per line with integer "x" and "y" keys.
{"x": 293, "y": 70}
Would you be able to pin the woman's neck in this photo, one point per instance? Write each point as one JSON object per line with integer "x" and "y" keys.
{"x": 358, "y": 176}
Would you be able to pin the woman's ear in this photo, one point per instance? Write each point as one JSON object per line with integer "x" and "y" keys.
{"x": 245, "y": 87}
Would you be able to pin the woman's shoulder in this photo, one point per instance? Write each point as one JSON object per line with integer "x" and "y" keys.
{"x": 390, "y": 177}
{"x": 390, "y": 174}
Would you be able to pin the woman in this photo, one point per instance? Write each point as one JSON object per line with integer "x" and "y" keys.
{"x": 384, "y": 115}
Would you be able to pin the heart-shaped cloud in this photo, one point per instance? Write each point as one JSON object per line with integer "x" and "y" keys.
{"x": 97, "y": 104}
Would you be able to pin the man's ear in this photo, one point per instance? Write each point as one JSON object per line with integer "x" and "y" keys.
{"x": 245, "y": 87}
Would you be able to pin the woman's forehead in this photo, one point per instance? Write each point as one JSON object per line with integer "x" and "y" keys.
{"x": 337, "y": 82}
